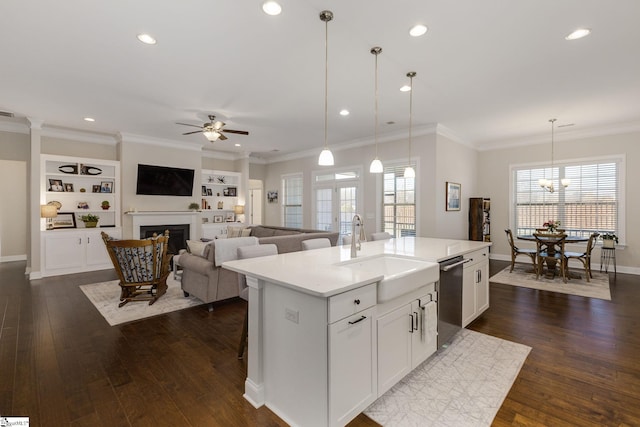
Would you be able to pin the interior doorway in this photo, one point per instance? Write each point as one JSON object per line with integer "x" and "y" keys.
{"x": 256, "y": 193}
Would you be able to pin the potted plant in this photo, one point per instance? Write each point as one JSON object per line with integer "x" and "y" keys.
{"x": 609, "y": 240}
{"x": 90, "y": 220}
{"x": 105, "y": 205}
{"x": 194, "y": 206}
{"x": 552, "y": 225}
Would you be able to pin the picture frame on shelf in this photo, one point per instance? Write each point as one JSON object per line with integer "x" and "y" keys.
{"x": 454, "y": 193}
{"x": 232, "y": 191}
{"x": 68, "y": 187}
{"x": 204, "y": 190}
{"x": 218, "y": 218}
{"x": 96, "y": 188}
{"x": 209, "y": 192}
{"x": 231, "y": 217}
{"x": 55, "y": 185}
{"x": 106, "y": 187}
{"x": 64, "y": 220}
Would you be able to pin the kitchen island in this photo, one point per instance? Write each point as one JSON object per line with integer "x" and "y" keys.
{"x": 323, "y": 329}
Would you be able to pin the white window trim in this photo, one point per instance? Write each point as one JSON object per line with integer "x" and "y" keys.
{"x": 622, "y": 192}
{"x": 282, "y": 195}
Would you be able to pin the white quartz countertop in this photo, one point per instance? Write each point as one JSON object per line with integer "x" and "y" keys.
{"x": 315, "y": 272}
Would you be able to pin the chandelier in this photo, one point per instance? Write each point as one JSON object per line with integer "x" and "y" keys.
{"x": 545, "y": 183}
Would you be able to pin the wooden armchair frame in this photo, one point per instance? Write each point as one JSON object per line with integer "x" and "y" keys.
{"x": 142, "y": 267}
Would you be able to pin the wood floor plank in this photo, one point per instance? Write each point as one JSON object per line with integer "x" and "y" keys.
{"x": 61, "y": 364}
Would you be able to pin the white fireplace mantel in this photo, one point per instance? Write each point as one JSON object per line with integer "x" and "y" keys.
{"x": 146, "y": 218}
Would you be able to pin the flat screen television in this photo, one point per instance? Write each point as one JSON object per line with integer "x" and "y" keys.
{"x": 164, "y": 181}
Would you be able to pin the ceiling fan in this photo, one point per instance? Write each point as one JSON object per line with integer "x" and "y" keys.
{"x": 213, "y": 130}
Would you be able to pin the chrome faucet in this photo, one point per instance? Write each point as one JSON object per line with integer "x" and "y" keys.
{"x": 355, "y": 241}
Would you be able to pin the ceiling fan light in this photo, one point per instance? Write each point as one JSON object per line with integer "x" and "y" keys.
{"x": 326, "y": 158}
{"x": 409, "y": 172}
{"x": 211, "y": 135}
{"x": 376, "y": 166}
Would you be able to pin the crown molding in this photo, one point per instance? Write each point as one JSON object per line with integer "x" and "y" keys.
{"x": 126, "y": 138}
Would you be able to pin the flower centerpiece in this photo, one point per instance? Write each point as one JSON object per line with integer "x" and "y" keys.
{"x": 552, "y": 225}
{"x": 609, "y": 239}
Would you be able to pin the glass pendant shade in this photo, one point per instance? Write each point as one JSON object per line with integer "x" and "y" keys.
{"x": 326, "y": 158}
{"x": 376, "y": 166}
{"x": 409, "y": 172}
{"x": 211, "y": 135}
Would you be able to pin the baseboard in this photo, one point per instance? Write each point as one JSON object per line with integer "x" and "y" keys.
{"x": 13, "y": 258}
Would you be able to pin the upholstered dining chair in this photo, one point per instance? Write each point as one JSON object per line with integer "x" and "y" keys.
{"x": 383, "y": 235}
{"x": 551, "y": 251}
{"x": 245, "y": 252}
{"x": 315, "y": 243}
{"x": 583, "y": 257}
{"x": 515, "y": 251}
{"x": 142, "y": 266}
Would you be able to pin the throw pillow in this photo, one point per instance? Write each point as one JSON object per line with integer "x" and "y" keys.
{"x": 246, "y": 232}
{"x": 234, "y": 231}
{"x": 196, "y": 247}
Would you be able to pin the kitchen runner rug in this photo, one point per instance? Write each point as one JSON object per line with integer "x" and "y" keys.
{"x": 462, "y": 385}
{"x": 522, "y": 276}
{"x": 105, "y": 297}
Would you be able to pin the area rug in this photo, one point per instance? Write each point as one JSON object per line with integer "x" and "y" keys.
{"x": 522, "y": 276}
{"x": 462, "y": 385}
{"x": 105, "y": 297}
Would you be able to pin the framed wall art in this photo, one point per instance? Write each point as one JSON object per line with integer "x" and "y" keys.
{"x": 454, "y": 191}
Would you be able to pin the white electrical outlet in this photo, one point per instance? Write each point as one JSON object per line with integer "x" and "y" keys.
{"x": 291, "y": 315}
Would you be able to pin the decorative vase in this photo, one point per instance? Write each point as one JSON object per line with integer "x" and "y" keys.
{"x": 608, "y": 243}
{"x": 106, "y": 207}
{"x": 90, "y": 224}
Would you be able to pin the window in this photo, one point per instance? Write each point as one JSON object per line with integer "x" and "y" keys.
{"x": 336, "y": 199}
{"x": 292, "y": 200}
{"x": 399, "y": 202}
{"x": 592, "y": 202}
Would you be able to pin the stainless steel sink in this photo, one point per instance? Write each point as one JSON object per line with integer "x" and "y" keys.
{"x": 401, "y": 275}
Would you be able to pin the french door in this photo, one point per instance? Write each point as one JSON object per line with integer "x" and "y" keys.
{"x": 335, "y": 205}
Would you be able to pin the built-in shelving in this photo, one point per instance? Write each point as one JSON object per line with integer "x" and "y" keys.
{"x": 219, "y": 196}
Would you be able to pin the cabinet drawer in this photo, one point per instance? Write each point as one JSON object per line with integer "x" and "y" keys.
{"x": 476, "y": 257}
{"x": 351, "y": 302}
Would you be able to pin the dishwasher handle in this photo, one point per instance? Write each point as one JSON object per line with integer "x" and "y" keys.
{"x": 450, "y": 266}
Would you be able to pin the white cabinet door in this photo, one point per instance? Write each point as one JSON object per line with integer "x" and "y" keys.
{"x": 468, "y": 295}
{"x": 64, "y": 250}
{"x": 475, "y": 286}
{"x": 352, "y": 364}
{"x": 424, "y": 338}
{"x": 482, "y": 287}
{"x": 394, "y": 347}
{"x": 95, "y": 248}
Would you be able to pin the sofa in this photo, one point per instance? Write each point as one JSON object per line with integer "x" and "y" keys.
{"x": 202, "y": 278}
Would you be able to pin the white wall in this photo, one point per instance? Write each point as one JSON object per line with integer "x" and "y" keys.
{"x": 494, "y": 178}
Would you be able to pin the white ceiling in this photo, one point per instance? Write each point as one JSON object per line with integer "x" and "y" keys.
{"x": 491, "y": 71}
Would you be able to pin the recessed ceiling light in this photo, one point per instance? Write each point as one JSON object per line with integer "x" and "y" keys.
{"x": 89, "y": 119}
{"x": 405, "y": 88}
{"x": 344, "y": 112}
{"x": 271, "y": 8}
{"x": 418, "y": 30}
{"x": 146, "y": 39}
{"x": 578, "y": 34}
{"x": 236, "y": 144}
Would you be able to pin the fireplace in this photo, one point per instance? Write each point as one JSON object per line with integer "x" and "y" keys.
{"x": 178, "y": 235}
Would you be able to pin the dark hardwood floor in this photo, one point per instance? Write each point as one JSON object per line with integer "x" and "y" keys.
{"x": 61, "y": 364}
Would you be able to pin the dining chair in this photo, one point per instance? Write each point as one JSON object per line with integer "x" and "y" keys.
{"x": 583, "y": 257}
{"x": 515, "y": 251}
{"x": 245, "y": 252}
{"x": 550, "y": 250}
{"x": 315, "y": 243}
{"x": 383, "y": 235}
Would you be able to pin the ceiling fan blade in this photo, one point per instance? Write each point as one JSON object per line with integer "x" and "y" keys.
{"x": 187, "y": 124}
{"x": 222, "y": 137}
{"x": 195, "y": 131}
{"x": 241, "y": 132}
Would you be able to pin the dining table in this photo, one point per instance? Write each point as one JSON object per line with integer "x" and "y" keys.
{"x": 551, "y": 240}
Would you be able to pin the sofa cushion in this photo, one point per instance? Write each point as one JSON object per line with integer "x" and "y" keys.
{"x": 262, "y": 232}
{"x": 284, "y": 232}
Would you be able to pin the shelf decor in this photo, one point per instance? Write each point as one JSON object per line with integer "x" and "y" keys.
{"x": 64, "y": 220}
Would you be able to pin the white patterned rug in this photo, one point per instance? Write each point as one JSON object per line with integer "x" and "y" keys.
{"x": 105, "y": 297}
{"x": 462, "y": 385}
{"x": 522, "y": 276}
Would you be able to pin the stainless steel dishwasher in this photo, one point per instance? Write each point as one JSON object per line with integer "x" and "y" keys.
{"x": 449, "y": 299}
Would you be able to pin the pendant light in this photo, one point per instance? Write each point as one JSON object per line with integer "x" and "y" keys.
{"x": 376, "y": 164}
{"x": 326, "y": 157}
{"x": 409, "y": 172}
{"x": 547, "y": 184}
